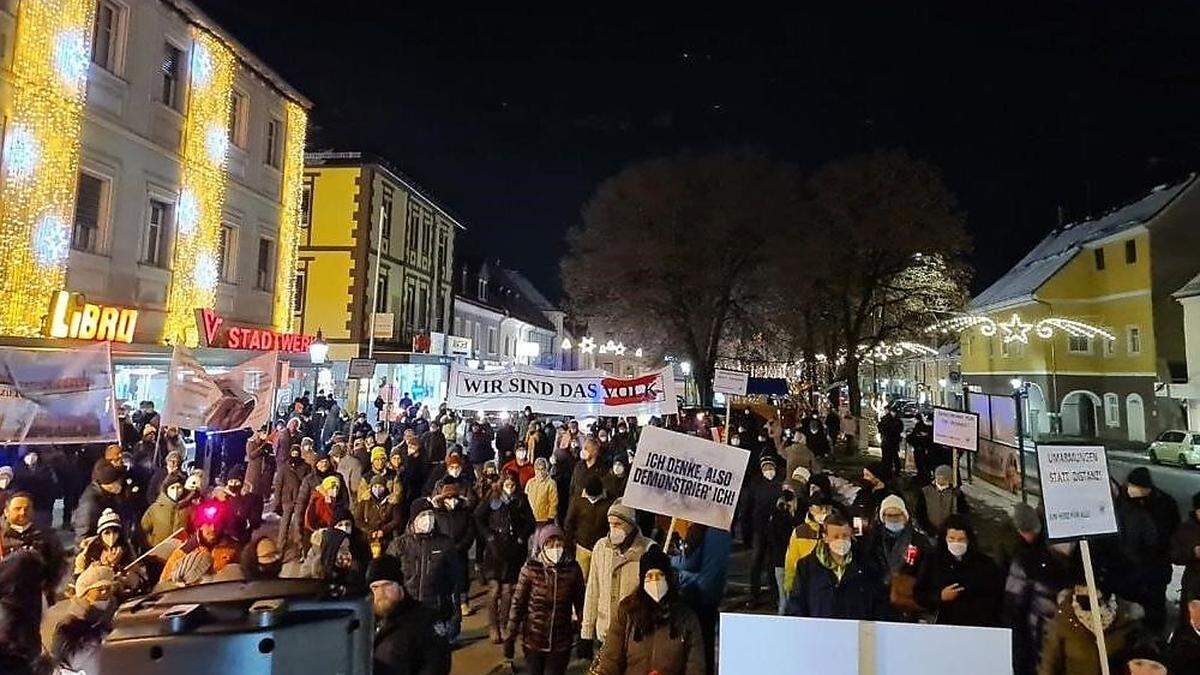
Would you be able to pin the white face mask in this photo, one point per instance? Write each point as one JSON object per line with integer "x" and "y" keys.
{"x": 617, "y": 535}
{"x": 450, "y": 502}
{"x": 553, "y": 554}
{"x": 618, "y": 470}
{"x": 656, "y": 589}
{"x": 956, "y": 548}
{"x": 30, "y": 459}
{"x": 769, "y": 475}
{"x": 423, "y": 523}
{"x": 175, "y": 492}
{"x": 840, "y": 546}
{"x": 521, "y": 455}
{"x": 455, "y": 471}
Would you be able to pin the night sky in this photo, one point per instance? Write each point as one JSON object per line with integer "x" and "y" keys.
{"x": 511, "y": 118}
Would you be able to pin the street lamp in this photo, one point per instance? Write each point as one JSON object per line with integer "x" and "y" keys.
{"x": 685, "y": 367}
{"x": 1020, "y": 391}
{"x": 318, "y": 349}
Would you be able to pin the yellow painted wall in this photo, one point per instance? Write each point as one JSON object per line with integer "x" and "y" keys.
{"x": 1077, "y": 292}
{"x": 329, "y": 292}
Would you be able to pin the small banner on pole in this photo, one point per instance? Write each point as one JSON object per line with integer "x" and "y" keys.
{"x": 686, "y": 477}
{"x": 956, "y": 429}
{"x": 730, "y": 382}
{"x": 1075, "y": 491}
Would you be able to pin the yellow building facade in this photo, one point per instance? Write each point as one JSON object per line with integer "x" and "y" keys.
{"x": 1115, "y": 273}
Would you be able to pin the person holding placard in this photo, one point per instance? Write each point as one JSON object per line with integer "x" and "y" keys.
{"x": 1150, "y": 574}
{"x": 1070, "y": 645}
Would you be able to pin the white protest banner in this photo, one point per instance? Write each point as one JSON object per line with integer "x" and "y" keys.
{"x": 561, "y": 392}
{"x": 361, "y": 369}
{"x": 57, "y": 396}
{"x": 1075, "y": 491}
{"x": 239, "y": 397}
{"x": 956, "y": 429}
{"x": 730, "y": 381}
{"x": 685, "y": 477}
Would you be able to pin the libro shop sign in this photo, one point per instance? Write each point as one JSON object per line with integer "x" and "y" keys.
{"x": 72, "y": 316}
{"x": 216, "y": 331}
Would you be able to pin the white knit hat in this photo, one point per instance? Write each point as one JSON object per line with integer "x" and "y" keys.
{"x": 107, "y": 520}
{"x": 892, "y": 502}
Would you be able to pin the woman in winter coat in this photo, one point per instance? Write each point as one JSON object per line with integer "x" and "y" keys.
{"x": 958, "y": 581}
{"x": 549, "y": 587}
{"x": 377, "y": 515}
{"x": 1070, "y": 645}
{"x": 323, "y": 508}
{"x": 168, "y": 513}
{"x": 504, "y": 523}
{"x": 654, "y": 630}
{"x": 1036, "y": 576}
{"x": 288, "y": 477}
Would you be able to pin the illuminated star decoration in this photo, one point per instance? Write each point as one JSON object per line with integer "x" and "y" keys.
{"x": 206, "y": 272}
{"x": 21, "y": 152}
{"x": 71, "y": 59}
{"x": 638, "y": 353}
{"x": 51, "y": 241}
{"x": 620, "y": 349}
{"x": 587, "y": 345}
{"x": 1015, "y": 330}
{"x": 188, "y": 211}
{"x": 216, "y": 142}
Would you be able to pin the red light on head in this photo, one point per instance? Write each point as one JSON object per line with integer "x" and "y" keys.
{"x": 209, "y": 513}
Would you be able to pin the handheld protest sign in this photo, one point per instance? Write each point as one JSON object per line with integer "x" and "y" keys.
{"x": 1078, "y": 504}
{"x": 956, "y": 429}
{"x": 1075, "y": 491}
{"x": 686, "y": 477}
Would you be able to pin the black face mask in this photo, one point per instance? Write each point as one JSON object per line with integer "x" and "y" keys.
{"x": 270, "y": 570}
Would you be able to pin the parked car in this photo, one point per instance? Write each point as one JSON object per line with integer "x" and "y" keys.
{"x": 1176, "y": 447}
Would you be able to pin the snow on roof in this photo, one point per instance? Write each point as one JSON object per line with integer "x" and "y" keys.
{"x": 1189, "y": 289}
{"x": 1060, "y": 246}
{"x": 526, "y": 288}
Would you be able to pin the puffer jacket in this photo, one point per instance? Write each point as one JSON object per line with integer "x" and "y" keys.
{"x": 657, "y": 652}
{"x": 162, "y": 519}
{"x": 505, "y": 528}
{"x": 430, "y": 569}
{"x": 542, "y": 604}
{"x": 612, "y": 577}
{"x": 543, "y": 498}
{"x": 1070, "y": 648}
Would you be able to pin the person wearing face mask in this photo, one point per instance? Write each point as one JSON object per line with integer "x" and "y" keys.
{"x": 1070, "y": 644}
{"x": 35, "y": 477}
{"x": 430, "y": 566}
{"x": 549, "y": 588}
{"x": 1147, "y": 577}
{"x": 454, "y": 467}
{"x": 613, "y": 574}
{"x": 172, "y": 467}
{"x": 587, "y": 521}
{"x": 242, "y": 512}
{"x": 702, "y": 568}
{"x": 805, "y": 536}
{"x": 336, "y": 555}
{"x": 542, "y": 492}
{"x": 105, "y": 492}
{"x": 454, "y": 520}
{"x": 895, "y": 548}
{"x": 758, "y": 502}
{"x": 261, "y": 559}
{"x": 323, "y": 468}
{"x": 939, "y": 500}
{"x": 92, "y": 600}
{"x": 959, "y": 581}
{"x": 377, "y": 515}
{"x": 289, "y": 476}
{"x": 837, "y": 581}
{"x": 168, "y": 513}
{"x": 521, "y": 465}
{"x": 653, "y": 629}
{"x": 781, "y": 522}
{"x": 588, "y": 466}
{"x": 1036, "y": 574}
{"x": 614, "y": 480}
{"x": 110, "y": 548}
{"x": 505, "y": 523}
{"x": 875, "y": 484}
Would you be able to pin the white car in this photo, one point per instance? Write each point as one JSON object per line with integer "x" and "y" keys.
{"x": 1176, "y": 447}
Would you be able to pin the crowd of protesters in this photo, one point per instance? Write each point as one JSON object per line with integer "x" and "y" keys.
{"x": 422, "y": 504}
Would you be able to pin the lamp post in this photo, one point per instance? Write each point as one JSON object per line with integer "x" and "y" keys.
{"x": 318, "y": 349}
{"x": 1020, "y": 391}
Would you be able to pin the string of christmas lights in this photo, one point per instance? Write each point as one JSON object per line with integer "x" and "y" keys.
{"x": 289, "y": 216}
{"x": 1016, "y": 329}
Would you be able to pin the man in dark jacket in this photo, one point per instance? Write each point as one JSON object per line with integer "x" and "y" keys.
{"x": 453, "y": 514}
{"x": 891, "y": 432}
{"x": 920, "y": 439}
{"x": 958, "y": 580}
{"x": 105, "y": 492}
{"x": 587, "y": 521}
{"x": 761, "y": 494}
{"x": 589, "y": 465}
{"x": 1154, "y": 570}
{"x": 405, "y": 640}
{"x": 36, "y": 478}
{"x": 171, "y": 471}
{"x": 430, "y": 566}
{"x": 1185, "y": 551}
{"x": 434, "y": 443}
{"x": 835, "y": 582}
{"x": 19, "y": 532}
{"x": 506, "y": 441}
{"x": 377, "y": 515}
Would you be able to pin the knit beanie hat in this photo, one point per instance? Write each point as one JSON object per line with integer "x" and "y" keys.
{"x": 330, "y": 483}
{"x": 175, "y": 453}
{"x": 943, "y": 471}
{"x": 379, "y": 453}
{"x": 893, "y": 502}
{"x": 385, "y": 568}
{"x": 541, "y": 463}
{"x": 654, "y": 559}
{"x": 108, "y": 519}
{"x": 1141, "y": 477}
{"x": 95, "y": 576}
{"x": 619, "y": 510}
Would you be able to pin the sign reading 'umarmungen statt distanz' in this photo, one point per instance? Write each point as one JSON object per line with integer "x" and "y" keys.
{"x": 686, "y": 477}
{"x": 562, "y": 392}
{"x": 1075, "y": 491}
